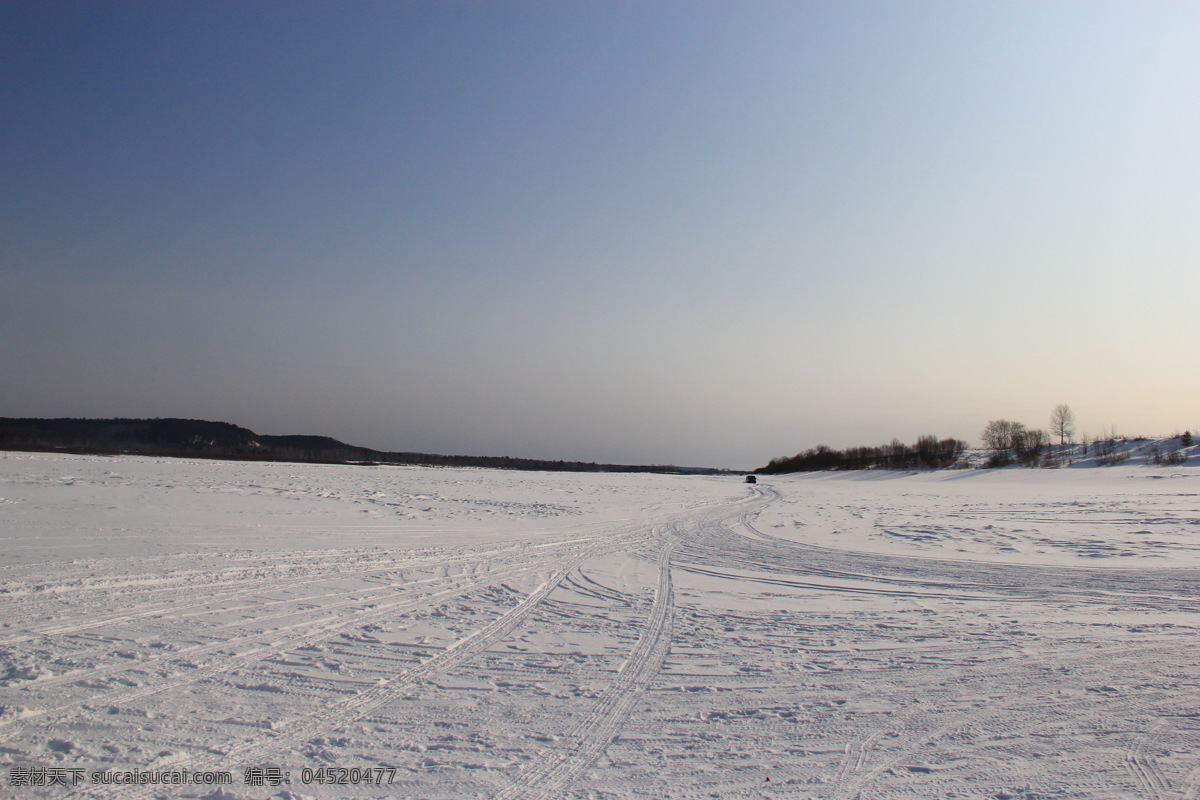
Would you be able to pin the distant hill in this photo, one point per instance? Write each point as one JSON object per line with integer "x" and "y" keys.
{"x": 204, "y": 439}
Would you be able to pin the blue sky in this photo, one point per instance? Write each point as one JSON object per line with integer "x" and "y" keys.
{"x": 698, "y": 233}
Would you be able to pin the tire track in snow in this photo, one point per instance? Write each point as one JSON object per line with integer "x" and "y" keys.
{"x": 1153, "y": 783}
{"x": 856, "y": 753}
{"x": 722, "y": 549}
{"x": 844, "y": 589}
{"x": 455, "y": 655}
{"x": 1191, "y": 789}
{"x": 254, "y": 585}
{"x": 331, "y": 716}
{"x": 265, "y": 645}
{"x": 918, "y": 731}
{"x": 602, "y": 724}
{"x": 524, "y": 558}
{"x": 774, "y": 554}
{"x": 451, "y": 657}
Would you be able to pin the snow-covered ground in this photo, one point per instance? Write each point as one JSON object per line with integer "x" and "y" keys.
{"x": 439, "y": 633}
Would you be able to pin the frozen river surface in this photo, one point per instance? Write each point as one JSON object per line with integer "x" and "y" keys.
{"x": 317, "y": 631}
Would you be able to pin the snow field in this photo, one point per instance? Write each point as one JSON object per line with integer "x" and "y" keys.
{"x": 975, "y": 634}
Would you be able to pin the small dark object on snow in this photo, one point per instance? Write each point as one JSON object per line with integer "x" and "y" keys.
{"x": 751, "y": 479}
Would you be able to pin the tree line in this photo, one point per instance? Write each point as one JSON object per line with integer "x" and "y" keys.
{"x": 928, "y": 451}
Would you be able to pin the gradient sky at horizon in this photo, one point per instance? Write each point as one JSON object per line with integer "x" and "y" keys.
{"x": 695, "y": 233}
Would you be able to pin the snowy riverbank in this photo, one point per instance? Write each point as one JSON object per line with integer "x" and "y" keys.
{"x": 474, "y": 633}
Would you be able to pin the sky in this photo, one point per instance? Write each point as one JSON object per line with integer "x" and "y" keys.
{"x": 702, "y": 233}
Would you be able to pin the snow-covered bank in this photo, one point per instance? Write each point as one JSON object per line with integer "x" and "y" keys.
{"x": 471, "y": 633}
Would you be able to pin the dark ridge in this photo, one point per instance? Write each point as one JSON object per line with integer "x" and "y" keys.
{"x": 195, "y": 438}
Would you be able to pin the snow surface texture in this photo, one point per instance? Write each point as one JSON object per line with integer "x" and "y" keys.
{"x": 970, "y": 634}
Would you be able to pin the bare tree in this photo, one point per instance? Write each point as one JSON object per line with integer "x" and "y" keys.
{"x": 998, "y": 434}
{"x": 1027, "y": 445}
{"x": 1062, "y": 422}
